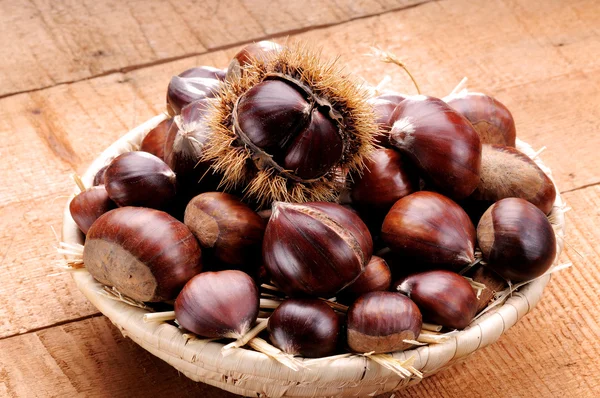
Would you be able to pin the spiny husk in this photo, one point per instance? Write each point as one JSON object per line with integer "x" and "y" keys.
{"x": 246, "y": 171}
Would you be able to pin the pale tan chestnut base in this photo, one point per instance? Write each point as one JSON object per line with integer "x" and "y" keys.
{"x": 249, "y": 373}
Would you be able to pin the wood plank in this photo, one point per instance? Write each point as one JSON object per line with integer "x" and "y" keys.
{"x": 551, "y": 352}
{"x": 50, "y": 133}
{"x": 89, "y": 358}
{"x": 52, "y": 42}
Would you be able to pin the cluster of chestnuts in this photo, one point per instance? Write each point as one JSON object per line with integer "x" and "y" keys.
{"x": 241, "y": 187}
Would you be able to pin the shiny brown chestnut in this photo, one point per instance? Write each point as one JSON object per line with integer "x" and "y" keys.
{"x": 218, "y": 304}
{"x": 140, "y": 179}
{"x": 154, "y": 141}
{"x": 380, "y": 322}
{"x": 315, "y": 248}
{"x": 99, "y": 177}
{"x": 253, "y": 52}
{"x": 191, "y": 86}
{"x": 516, "y": 239}
{"x": 184, "y": 148}
{"x": 490, "y": 118}
{"x": 444, "y": 297}
{"x": 88, "y": 205}
{"x": 431, "y": 227}
{"x": 383, "y": 110}
{"x": 440, "y": 142}
{"x": 391, "y": 96}
{"x": 375, "y": 277}
{"x": 230, "y": 228}
{"x": 387, "y": 177}
{"x": 384, "y": 106}
{"x": 144, "y": 253}
{"x": 277, "y": 117}
{"x": 506, "y": 172}
{"x": 493, "y": 282}
{"x": 306, "y": 327}
{"x": 209, "y": 72}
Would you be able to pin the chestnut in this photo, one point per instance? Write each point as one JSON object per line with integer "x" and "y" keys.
{"x": 209, "y": 72}
{"x": 375, "y": 277}
{"x": 230, "y": 228}
{"x": 379, "y": 322}
{"x": 387, "y": 177}
{"x": 249, "y": 54}
{"x": 391, "y": 96}
{"x": 506, "y": 172}
{"x": 140, "y": 179}
{"x": 144, "y": 253}
{"x": 383, "y": 111}
{"x": 441, "y": 143}
{"x": 444, "y": 297}
{"x": 315, "y": 248}
{"x": 88, "y": 205}
{"x": 306, "y": 327}
{"x": 493, "y": 282}
{"x": 516, "y": 239}
{"x": 275, "y": 117}
{"x": 184, "y": 149}
{"x": 191, "y": 86}
{"x": 218, "y": 304}
{"x": 490, "y": 118}
{"x": 316, "y": 149}
{"x": 99, "y": 177}
{"x": 431, "y": 227}
{"x": 154, "y": 141}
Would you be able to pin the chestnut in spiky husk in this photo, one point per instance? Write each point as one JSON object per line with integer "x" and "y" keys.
{"x": 289, "y": 128}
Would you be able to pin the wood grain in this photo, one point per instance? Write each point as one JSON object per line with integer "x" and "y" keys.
{"x": 51, "y": 42}
{"x": 89, "y": 358}
{"x": 542, "y": 65}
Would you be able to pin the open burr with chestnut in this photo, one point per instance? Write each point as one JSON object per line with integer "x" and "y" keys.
{"x": 292, "y": 179}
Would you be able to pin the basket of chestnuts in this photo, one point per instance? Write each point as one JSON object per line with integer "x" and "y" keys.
{"x": 284, "y": 231}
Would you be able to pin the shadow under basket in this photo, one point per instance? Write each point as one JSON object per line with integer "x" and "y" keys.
{"x": 251, "y": 373}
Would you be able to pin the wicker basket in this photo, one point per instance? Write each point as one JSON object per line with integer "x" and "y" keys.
{"x": 251, "y": 373}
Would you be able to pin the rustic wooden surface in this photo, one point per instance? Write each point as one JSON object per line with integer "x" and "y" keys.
{"x": 78, "y": 74}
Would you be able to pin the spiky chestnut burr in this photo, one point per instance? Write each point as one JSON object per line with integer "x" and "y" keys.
{"x": 289, "y": 128}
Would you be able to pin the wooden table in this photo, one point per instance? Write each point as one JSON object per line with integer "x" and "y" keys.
{"x": 74, "y": 76}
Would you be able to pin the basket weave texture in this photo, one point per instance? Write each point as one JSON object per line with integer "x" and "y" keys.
{"x": 251, "y": 373}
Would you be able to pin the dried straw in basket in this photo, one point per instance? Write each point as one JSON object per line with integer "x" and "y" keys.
{"x": 251, "y": 373}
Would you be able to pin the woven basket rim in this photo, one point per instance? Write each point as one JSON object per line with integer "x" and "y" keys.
{"x": 251, "y": 373}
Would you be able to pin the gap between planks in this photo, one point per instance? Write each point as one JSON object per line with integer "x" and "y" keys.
{"x": 228, "y": 46}
{"x": 55, "y": 324}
